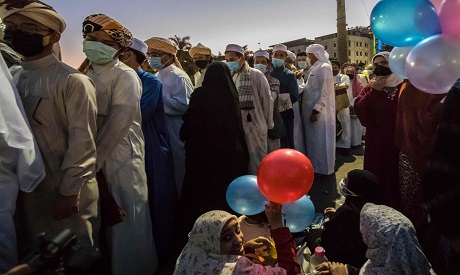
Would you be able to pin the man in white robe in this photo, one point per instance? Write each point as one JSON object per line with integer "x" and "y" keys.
{"x": 318, "y": 111}
{"x": 202, "y": 57}
{"x": 177, "y": 89}
{"x": 60, "y": 104}
{"x": 120, "y": 144}
{"x": 256, "y": 104}
{"x": 342, "y": 81}
{"x": 21, "y": 165}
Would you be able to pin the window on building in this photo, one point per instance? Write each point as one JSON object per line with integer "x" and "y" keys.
{"x": 349, "y": 52}
{"x": 365, "y": 53}
{"x": 335, "y": 54}
{"x": 360, "y": 53}
{"x": 349, "y": 43}
{"x": 335, "y": 45}
{"x": 360, "y": 44}
{"x": 357, "y": 53}
{"x": 325, "y": 47}
{"x": 357, "y": 44}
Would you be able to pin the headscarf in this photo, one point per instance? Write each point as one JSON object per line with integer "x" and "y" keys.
{"x": 392, "y": 243}
{"x": 199, "y": 49}
{"x": 393, "y": 80}
{"x": 202, "y": 255}
{"x": 364, "y": 184}
{"x": 102, "y": 22}
{"x": 319, "y": 52}
{"x": 36, "y": 10}
{"x": 291, "y": 55}
{"x": 166, "y": 46}
{"x": 357, "y": 86}
{"x": 9, "y": 54}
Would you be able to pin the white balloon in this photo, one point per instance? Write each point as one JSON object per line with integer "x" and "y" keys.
{"x": 397, "y": 60}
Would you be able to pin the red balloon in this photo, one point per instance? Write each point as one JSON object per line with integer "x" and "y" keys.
{"x": 285, "y": 176}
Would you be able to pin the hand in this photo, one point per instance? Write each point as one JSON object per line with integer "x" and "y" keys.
{"x": 380, "y": 82}
{"x": 338, "y": 269}
{"x": 252, "y": 245}
{"x": 313, "y": 118}
{"x": 65, "y": 206}
{"x": 298, "y": 74}
{"x": 336, "y": 86}
{"x": 22, "y": 269}
{"x": 329, "y": 212}
{"x": 323, "y": 268}
{"x": 274, "y": 215}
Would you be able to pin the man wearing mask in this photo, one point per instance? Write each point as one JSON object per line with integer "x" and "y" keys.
{"x": 318, "y": 111}
{"x": 289, "y": 93}
{"x": 60, "y": 105}
{"x": 262, "y": 63}
{"x": 120, "y": 144}
{"x": 158, "y": 157}
{"x": 177, "y": 89}
{"x": 202, "y": 58}
{"x": 256, "y": 104}
{"x": 343, "y": 115}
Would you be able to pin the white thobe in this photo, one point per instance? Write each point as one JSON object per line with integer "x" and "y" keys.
{"x": 21, "y": 165}
{"x": 199, "y": 77}
{"x": 344, "y": 115}
{"x": 262, "y": 118}
{"x": 60, "y": 104}
{"x": 299, "y": 139}
{"x": 120, "y": 155}
{"x": 320, "y": 135}
{"x": 177, "y": 89}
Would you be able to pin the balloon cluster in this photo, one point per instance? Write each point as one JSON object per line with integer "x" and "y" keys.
{"x": 426, "y": 37}
{"x": 284, "y": 176}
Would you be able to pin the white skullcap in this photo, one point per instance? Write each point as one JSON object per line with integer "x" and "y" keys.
{"x": 234, "y": 48}
{"x": 280, "y": 47}
{"x": 291, "y": 55}
{"x": 199, "y": 49}
{"x": 319, "y": 52}
{"x": 139, "y": 46}
{"x": 262, "y": 53}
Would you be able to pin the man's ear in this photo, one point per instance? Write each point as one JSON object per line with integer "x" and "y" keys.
{"x": 55, "y": 37}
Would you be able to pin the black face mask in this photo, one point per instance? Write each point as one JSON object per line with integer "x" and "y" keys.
{"x": 335, "y": 72}
{"x": 351, "y": 76}
{"x": 201, "y": 63}
{"x": 23, "y": 43}
{"x": 382, "y": 71}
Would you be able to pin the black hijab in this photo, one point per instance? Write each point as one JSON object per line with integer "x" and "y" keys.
{"x": 364, "y": 184}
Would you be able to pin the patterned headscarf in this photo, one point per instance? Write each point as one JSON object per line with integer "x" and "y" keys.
{"x": 392, "y": 243}
{"x": 357, "y": 86}
{"x": 202, "y": 255}
{"x": 102, "y": 22}
{"x": 36, "y": 10}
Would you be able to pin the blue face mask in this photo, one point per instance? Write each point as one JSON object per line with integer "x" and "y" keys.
{"x": 98, "y": 53}
{"x": 277, "y": 62}
{"x": 234, "y": 66}
{"x": 261, "y": 67}
{"x": 302, "y": 64}
{"x": 155, "y": 63}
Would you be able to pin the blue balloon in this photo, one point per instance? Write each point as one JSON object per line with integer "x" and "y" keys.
{"x": 244, "y": 197}
{"x": 299, "y": 214}
{"x": 401, "y": 23}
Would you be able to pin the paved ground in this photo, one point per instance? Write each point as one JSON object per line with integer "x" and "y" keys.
{"x": 324, "y": 192}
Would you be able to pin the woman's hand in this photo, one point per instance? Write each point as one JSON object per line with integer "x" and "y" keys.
{"x": 329, "y": 212}
{"x": 331, "y": 268}
{"x": 380, "y": 82}
{"x": 274, "y": 215}
{"x": 257, "y": 243}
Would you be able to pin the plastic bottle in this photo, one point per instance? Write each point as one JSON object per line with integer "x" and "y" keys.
{"x": 317, "y": 258}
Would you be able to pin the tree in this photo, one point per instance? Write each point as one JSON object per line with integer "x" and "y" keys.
{"x": 182, "y": 42}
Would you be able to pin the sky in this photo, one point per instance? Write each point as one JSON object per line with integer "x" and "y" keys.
{"x": 214, "y": 23}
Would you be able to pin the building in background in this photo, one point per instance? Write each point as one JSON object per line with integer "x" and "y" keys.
{"x": 298, "y": 45}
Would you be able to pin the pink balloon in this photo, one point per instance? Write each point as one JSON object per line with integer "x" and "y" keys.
{"x": 437, "y": 4}
{"x": 433, "y": 65}
{"x": 449, "y": 17}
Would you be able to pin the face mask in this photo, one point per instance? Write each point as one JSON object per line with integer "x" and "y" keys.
{"x": 98, "y": 53}
{"x": 23, "y": 43}
{"x": 201, "y": 63}
{"x": 261, "y": 67}
{"x": 234, "y": 66}
{"x": 335, "y": 72}
{"x": 351, "y": 76}
{"x": 302, "y": 64}
{"x": 277, "y": 62}
{"x": 382, "y": 71}
{"x": 155, "y": 62}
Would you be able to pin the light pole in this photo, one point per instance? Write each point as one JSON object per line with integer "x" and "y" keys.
{"x": 342, "y": 43}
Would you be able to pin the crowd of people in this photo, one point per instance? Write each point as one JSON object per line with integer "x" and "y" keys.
{"x": 131, "y": 154}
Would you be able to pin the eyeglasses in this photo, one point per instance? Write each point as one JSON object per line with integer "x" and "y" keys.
{"x": 27, "y": 28}
{"x": 155, "y": 54}
{"x": 345, "y": 190}
{"x": 383, "y": 63}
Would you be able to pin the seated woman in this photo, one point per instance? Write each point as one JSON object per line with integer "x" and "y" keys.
{"x": 215, "y": 246}
{"x": 341, "y": 237}
{"x": 392, "y": 244}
